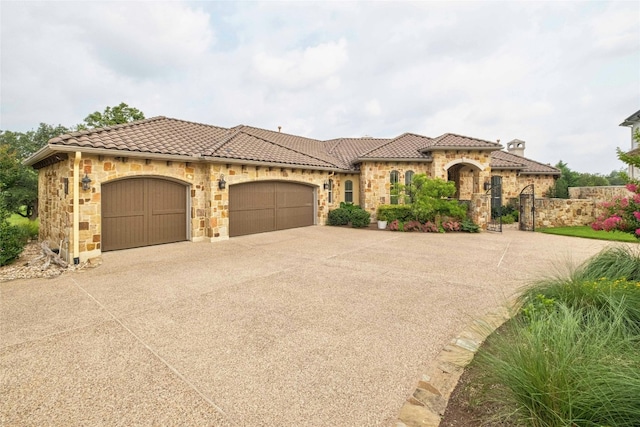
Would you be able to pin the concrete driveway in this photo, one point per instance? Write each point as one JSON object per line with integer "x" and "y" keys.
{"x": 317, "y": 326}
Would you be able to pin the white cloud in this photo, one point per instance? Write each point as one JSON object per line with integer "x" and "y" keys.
{"x": 552, "y": 74}
{"x": 300, "y": 68}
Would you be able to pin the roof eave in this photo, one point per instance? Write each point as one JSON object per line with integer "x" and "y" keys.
{"x": 540, "y": 173}
{"x": 459, "y": 148}
{"x": 52, "y": 148}
{"x": 393, "y": 159}
{"x": 274, "y": 164}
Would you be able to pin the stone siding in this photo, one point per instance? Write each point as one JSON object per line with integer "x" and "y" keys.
{"x": 55, "y": 206}
{"x": 605, "y": 193}
{"x": 564, "y": 212}
{"x": 208, "y": 204}
{"x": 375, "y": 184}
{"x": 513, "y": 184}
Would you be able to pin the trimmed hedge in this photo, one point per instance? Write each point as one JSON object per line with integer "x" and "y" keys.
{"x": 349, "y": 213}
{"x": 391, "y": 213}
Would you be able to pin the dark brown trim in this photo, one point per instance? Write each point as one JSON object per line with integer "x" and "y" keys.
{"x": 51, "y": 160}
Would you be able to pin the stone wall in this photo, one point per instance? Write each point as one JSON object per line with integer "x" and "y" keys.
{"x": 480, "y": 209}
{"x": 564, "y": 212}
{"x": 605, "y": 193}
{"x": 209, "y": 205}
{"x": 55, "y": 205}
{"x": 375, "y": 184}
{"x": 513, "y": 183}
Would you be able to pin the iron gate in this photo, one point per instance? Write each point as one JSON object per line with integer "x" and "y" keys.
{"x": 495, "y": 222}
{"x": 527, "y": 209}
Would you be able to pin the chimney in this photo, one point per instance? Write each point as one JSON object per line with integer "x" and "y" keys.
{"x": 516, "y": 147}
{"x": 279, "y": 128}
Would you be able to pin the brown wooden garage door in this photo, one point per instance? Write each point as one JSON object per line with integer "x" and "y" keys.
{"x": 257, "y": 207}
{"x": 143, "y": 212}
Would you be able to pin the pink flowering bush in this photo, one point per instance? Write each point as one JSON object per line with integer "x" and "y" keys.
{"x": 621, "y": 214}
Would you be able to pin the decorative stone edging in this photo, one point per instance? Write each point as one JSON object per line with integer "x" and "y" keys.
{"x": 426, "y": 406}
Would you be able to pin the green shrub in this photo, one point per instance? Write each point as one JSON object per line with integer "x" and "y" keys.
{"x": 349, "y": 213}
{"x": 393, "y": 212}
{"x": 469, "y": 226}
{"x": 563, "y": 367}
{"x": 12, "y": 242}
{"x": 507, "y": 219}
{"x": 360, "y": 218}
{"x": 338, "y": 216}
{"x": 29, "y": 230}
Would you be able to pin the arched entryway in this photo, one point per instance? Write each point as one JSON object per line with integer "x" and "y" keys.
{"x": 467, "y": 179}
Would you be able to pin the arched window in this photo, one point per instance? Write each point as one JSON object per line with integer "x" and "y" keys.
{"x": 348, "y": 191}
{"x": 408, "y": 178}
{"x": 394, "y": 177}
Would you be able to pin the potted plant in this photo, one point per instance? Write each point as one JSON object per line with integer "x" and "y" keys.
{"x": 382, "y": 219}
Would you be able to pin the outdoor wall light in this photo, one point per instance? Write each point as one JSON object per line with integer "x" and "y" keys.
{"x": 487, "y": 185}
{"x": 221, "y": 182}
{"x": 326, "y": 185}
{"x": 86, "y": 182}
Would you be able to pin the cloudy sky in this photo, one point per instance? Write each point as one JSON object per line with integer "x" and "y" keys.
{"x": 559, "y": 75}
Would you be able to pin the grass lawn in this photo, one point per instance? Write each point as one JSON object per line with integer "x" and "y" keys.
{"x": 16, "y": 219}
{"x": 589, "y": 233}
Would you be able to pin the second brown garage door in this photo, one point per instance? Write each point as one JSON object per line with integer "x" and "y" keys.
{"x": 143, "y": 212}
{"x": 257, "y": 207}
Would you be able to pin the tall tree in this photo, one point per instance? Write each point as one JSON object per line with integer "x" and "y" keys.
{"x": 111, "y": 116}
{"x": 19, "y": 183}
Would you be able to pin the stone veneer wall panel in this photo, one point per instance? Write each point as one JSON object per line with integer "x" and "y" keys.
{"x": 564, "y": 212}
{"x": 375, "y": 186}
{"x": 55, "y": 208}
{"x": 601, "y": 194}
{"x": 513, "y": 184}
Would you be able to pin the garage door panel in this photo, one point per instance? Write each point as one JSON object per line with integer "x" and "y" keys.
{"x": 251, "y": 222}
{"x": 123, "y": 232}
{"x": 259, "y": 207}
{"x": 294, "y": 217}
{"x": 143, "y": 211}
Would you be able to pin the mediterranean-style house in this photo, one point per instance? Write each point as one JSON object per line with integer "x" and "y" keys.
{"x": 633, "y": 122}
{"x": 164, "y": 180}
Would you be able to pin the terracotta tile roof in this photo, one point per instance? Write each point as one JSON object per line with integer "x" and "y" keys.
{"x": 451, "y": 140}
{"x": 241, "y": 145}
{"x": 167, "y": 136}
{"x": 406, "y": 146}
{"x": 348, "y": 149}
{"x": 158, "y": 135}
{"x": 505, "y": 160}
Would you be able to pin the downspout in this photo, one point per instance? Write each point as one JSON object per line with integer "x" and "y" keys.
{"x": 76, "y": 208}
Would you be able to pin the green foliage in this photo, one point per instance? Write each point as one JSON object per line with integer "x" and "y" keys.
{"x": 338, "y": 216}
{"x": 571, "y": 356}
{"x": 570, "y": 178}
{"x": 631, "y": 159}
{"x": 589, "y": 233}
{"x": 507, "y": 219}
{"x": 112, "y": 116}
{"x": 393, "y": 212}
{"x": 469, "y": 226}
{"x": 349, "y": 213}
{"x": 360, "y": 218}
{"x": 19, "y": 183}
{"x": 12, "y": 239}
{"x": 430, "y": 199}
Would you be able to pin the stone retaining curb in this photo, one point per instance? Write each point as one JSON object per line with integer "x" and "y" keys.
{"x": 426, "y": 406}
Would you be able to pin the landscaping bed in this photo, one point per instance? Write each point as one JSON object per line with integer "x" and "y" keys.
{"x": 569, "y": 357}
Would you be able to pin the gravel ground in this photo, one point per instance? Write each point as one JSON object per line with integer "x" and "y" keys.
{"x": 28, "y": 266}
{"x": 315, "y": 326}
